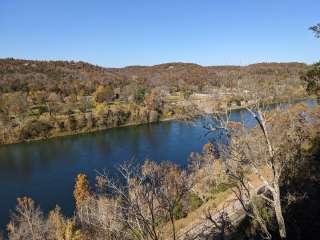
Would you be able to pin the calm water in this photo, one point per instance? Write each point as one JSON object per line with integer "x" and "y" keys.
{"x": 45, "y": 171}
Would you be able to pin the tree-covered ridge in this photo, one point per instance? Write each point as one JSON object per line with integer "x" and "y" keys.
{"x": 40, "y": 99}
{"x": 71, "y": 77}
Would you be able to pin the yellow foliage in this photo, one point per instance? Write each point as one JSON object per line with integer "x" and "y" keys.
{"x": 103, "y": 94}
{"x": 57, "y": 223}
{"x": 71, "y": 232}
{"x": 81, "y": 190}
{"x": 100, "y": 108}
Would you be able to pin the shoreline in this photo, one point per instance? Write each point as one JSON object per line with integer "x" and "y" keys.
{"x": 66, "y": 134}
{"x": 275, "y": 102}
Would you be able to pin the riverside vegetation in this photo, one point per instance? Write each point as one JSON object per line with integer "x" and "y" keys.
{"x": 43, "y": 99}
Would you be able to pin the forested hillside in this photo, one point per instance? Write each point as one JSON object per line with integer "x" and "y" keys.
{"x": 40, "y": 99}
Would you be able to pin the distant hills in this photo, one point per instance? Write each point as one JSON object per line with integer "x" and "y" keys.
{"x": 18, "y": 74}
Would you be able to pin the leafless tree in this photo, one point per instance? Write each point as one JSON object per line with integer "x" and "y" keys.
{"x": 173, "y": 187}
{"x": 137, "y": 211}
{"x": 147, "y": 198}
{"x": 216, "y": 225}
{"x": 246, "y": 195}
{"x": 100, "y": 216}
{"x": 253, "y": 151}
{"x": 221, "y": 222}
{"x": 27, "y": 221}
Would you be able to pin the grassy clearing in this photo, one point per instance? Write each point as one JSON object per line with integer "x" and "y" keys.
{"x": 174, "y": 98}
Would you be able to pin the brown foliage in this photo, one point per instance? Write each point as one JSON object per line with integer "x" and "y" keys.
{"x": 81, "y": 189}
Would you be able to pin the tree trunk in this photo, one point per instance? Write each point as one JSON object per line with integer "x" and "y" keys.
{"x": 173, "y": 227}
{"x": 263, "y": 226}
{"x": 278, "y": 212}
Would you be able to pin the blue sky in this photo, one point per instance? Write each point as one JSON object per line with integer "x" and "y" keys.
{"x": 117, "y": 33}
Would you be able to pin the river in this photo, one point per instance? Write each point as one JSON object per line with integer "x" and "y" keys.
{"x": 46, "y": 170}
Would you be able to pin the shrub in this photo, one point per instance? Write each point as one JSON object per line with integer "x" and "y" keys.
{"x": 194, "y": 201}
{"x": 222, "y": 187}
{"x": 178, "y": 211}
{"x": 103, "y": 94}
{"x": 140, "y": 94}
{"x": 312, "y": 79}
{"x": 34, "y": 129}
{"x": 72, "y": 122}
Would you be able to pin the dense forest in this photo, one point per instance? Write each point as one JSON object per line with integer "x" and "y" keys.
{"x": 42, "y": 99}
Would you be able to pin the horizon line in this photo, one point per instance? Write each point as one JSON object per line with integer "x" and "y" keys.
{"x": 153, "y": 65}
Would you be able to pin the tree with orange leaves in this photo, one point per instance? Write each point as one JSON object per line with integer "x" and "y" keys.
{"x": 81, "y": 189}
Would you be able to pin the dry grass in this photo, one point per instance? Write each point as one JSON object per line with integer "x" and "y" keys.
{"x": 174, "y": 98}
{"x": 217, "y": 201}
{"x": 196, "y": 217}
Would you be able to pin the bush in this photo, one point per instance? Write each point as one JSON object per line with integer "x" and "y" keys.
{"x": 222, "y": 187}
{"x": 34, "y": 129}
{"x": 140, "y": 94}
{"x": 178, "y": 211}
{"x": 103, "y": 94}
{"x": 72, "y": 122}
{"x": 312, "y": 79}
{"x": 194, "y": 201}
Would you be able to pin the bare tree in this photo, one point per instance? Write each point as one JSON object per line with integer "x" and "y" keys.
{"x": 138, "y": 211}
{"x": 273, "y": 164}
{"x": 100, "y": 217}
{"x": 27, "y": 221}
{"x": 256, "y": 152}
{"x": 221, "y": 222}
{"x": 246, "y": 195}
{"x": 148, "y": 197}
{"x": 174, "y": 184}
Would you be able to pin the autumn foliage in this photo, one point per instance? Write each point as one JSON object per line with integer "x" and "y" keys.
{"x": 81, "y": 190}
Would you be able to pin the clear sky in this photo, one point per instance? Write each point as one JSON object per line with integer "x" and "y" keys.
{"x": 117, "y": 33}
